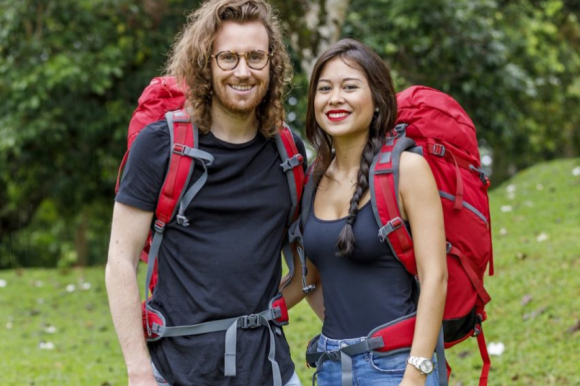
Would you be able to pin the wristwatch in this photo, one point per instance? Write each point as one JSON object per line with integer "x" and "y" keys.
{"x": 424, "y": 365}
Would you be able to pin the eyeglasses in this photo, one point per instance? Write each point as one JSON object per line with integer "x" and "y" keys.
{"x": 228, "y": 60}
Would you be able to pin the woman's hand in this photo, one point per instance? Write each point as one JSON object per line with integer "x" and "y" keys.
{"x": 413, "y": 377}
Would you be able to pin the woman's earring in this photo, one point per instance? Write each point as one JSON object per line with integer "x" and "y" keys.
{"x": 377, "y": 110}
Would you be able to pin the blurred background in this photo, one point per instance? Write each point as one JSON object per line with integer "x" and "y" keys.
{"x": 71, "y": 72}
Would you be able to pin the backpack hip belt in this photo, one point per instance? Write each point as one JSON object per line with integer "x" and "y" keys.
{"x": 389, "y": 338}
{"x": 276, "y": 314}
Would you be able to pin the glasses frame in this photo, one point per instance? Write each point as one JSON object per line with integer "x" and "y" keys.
{"x": 269, "y": 56}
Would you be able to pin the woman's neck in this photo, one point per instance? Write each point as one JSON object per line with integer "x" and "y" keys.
{"x": 348, "y": 153}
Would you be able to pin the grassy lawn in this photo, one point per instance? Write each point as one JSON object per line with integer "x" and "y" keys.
{"x": 55, "y": 327}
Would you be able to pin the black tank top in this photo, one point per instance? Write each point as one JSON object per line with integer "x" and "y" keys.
{"x": 365, "y": 290}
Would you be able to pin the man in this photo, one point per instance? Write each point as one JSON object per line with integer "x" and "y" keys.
{"x": 226, "y": 263}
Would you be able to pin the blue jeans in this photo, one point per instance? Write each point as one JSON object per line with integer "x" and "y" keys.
{"x": 369, "y": 368}
{"x": 294, "y": 381}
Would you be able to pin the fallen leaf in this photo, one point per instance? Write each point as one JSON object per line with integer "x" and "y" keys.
{"x": 526, "y": 300}
{"x": 576, "y": 171}
{"x": 574, "y": 328}
{"x": 3, "y": 283}
{"x": 506, "y": 208}
{"x": 503, "y": 232}
{"x": 542, "y": 237}
{"x": 535, "y": 313}
{"x": 521, "y": 256}
{"x": 464, "y": 354}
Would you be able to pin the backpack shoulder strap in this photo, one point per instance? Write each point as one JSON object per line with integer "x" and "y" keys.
{"x": 183, "y": 135}
{"x": 384, "y": 187}
{"x": 291, "y": 164}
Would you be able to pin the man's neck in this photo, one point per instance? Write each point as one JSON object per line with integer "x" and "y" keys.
{"x": 231, "y": 127}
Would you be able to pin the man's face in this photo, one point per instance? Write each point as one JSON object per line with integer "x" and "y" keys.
{"x": 240, "y": 91}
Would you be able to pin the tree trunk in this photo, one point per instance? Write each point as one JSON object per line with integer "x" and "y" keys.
{"x": 323, "y": 20}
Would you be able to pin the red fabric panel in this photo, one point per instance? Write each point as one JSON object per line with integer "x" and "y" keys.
{"x": 152, "y": 317}
{"x": 281, "y": 303}
{"x": 396, "y": 336}
{"x": 299, "y": 177}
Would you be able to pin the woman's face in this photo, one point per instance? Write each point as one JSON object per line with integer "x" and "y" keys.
{"x": 343, "y": 103}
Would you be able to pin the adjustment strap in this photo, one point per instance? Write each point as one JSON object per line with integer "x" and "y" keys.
{"x": 441, "y": 361}
{"x": 205, "y": 159}
{"x": 485, "y": 358}
{"x": 159, "y": 228}
{"x": 469, "y": 268}
{"x": 249, "y": 321}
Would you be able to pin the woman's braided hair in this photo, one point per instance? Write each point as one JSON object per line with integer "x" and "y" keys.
{"x": 357, "y": 55}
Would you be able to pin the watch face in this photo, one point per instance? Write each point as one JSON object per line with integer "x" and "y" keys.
{"x": 426, "y": 367}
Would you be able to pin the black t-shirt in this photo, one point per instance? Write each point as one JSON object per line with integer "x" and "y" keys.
{"x": 225, "y": 264}
{"x": 363, "y": 291}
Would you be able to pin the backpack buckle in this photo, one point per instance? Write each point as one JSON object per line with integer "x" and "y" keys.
{"x": 333, "y": 355}
{"x": 159, "y": 226}
{"x": 390, "y": 227}
{"x": 250, "y": 321}
{"x": 179, "y": 149}
{"x": 293, "y": 162}
{"x": 182, "y": 220}
{"x": 438, "y": 149}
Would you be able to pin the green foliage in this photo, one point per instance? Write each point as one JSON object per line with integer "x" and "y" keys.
{"x": 513, "y": 66}
{"x": 70, "y": 74}
{"x": 533, "y": 312}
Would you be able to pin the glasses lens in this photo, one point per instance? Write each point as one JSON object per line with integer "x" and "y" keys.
{"x": 257, "y": 59}
{"x": 227, "y": 60}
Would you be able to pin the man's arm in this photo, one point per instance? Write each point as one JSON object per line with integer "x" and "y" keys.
{"x": 129, "y": 232}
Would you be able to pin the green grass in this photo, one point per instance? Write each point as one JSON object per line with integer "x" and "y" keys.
{"x": 541, "y": 344}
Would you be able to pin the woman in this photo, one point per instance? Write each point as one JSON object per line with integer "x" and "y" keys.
{"x": 352, "y": 107}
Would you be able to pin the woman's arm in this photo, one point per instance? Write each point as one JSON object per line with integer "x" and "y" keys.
{"x": 421, "y": 205}
{"x": 293, "y": 293}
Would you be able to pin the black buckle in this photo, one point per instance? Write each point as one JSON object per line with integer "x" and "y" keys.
{"x": 293, "y": 162}
{"x": 182, "y": 220}
{"x": 333, "y": 355}
{"x": 250, "y": 321}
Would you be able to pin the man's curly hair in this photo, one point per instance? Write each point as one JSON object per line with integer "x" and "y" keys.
{"x": 189, "y": 61}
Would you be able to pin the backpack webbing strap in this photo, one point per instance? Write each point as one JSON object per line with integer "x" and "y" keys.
{"x": 471, "y": 270}
{"x": 384, "y": 183}
{"x": 295, "y": 236}
{"x": 206, "y": 160}
{"x": 442, "y": 364}
{"x": 230, "y": 326}
{"x": 485, "y": 358}
{"x": 231, "y": 340}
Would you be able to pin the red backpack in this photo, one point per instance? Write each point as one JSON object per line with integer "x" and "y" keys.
{"x": 433, "y": 124}
{"x": 164, "y": 98}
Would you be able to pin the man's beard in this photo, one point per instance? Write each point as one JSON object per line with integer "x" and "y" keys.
{"x": 235, "y": 105}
